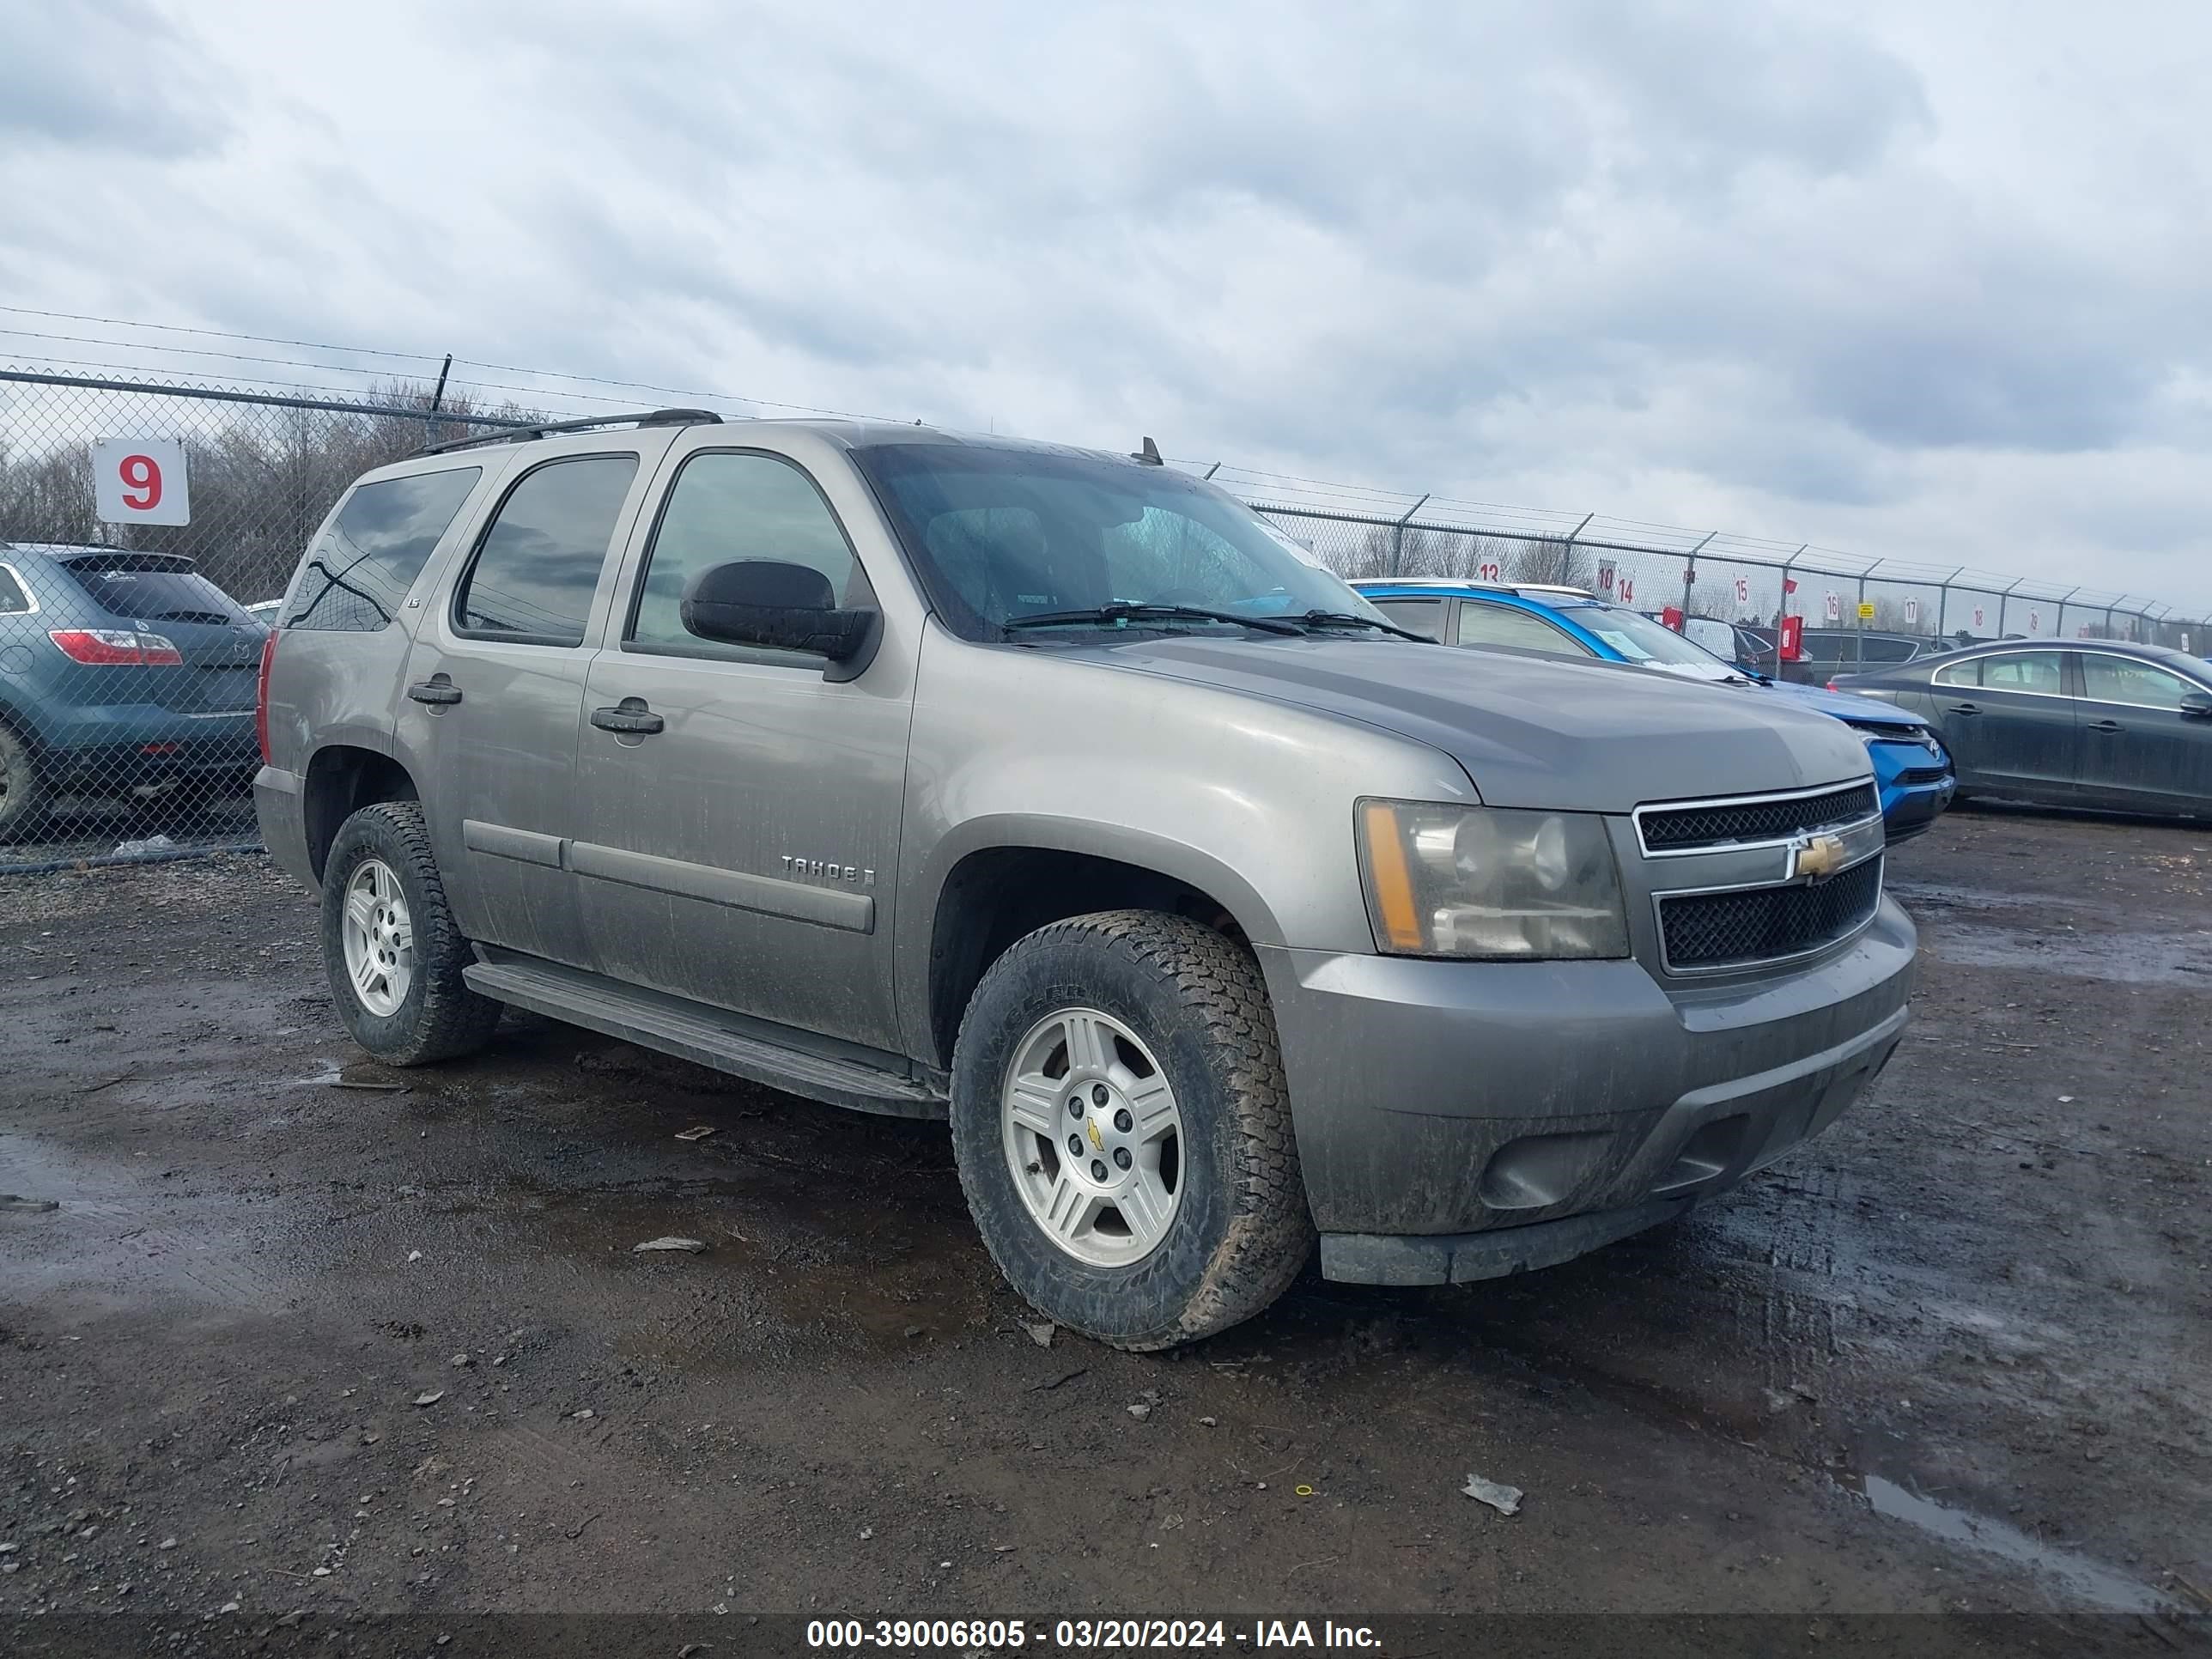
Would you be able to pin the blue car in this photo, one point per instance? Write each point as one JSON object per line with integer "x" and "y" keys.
{"x": 121, "y": 674}
{"x": 1910, "y": 765}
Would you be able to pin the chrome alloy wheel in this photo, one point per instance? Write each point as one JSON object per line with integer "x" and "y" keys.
{"x": 379, "y": 940}
{"x": 1093, "y": 1137}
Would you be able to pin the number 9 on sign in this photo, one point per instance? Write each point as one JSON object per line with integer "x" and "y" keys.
{"x": 139, "y": 481}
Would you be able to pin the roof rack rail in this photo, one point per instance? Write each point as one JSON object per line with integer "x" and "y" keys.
{"x": 516, "y": 434}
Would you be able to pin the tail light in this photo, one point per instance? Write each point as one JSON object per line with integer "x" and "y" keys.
{"x": 115, "y": 647}
{"x": 261, "y": 695}
{"x": 1832, "y": 686}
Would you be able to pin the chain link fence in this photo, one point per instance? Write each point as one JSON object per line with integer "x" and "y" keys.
{"x": 129, "y": 652}
{"x": 1749, "y": 585}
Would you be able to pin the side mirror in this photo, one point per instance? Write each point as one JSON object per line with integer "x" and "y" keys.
{"x": 2196, "y": 705}
{"x": 780, "y": 607}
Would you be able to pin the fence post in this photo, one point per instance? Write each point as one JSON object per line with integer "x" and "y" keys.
{"x": 434, "y": 430}
{"x": 2003, "y": 600}
{"x": 1784, "y": 610}
{"x": 1690, "y": 574}
{"x": 1943, "y": 603}
{"x": 1567, "y": 551}
{"x": 1398, "y": 534}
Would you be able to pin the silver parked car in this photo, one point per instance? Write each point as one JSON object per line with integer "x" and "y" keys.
{"x": 1056, "y": 793}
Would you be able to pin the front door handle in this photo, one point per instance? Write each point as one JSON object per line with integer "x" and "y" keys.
{"x": 629, "y": 717}
{"x": 1961, "y": 708}
{"x": 2105, "y": 725}
{"x": 438, "y": 691}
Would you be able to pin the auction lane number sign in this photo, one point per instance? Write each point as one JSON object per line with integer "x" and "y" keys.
{"x": 139, "y": 481}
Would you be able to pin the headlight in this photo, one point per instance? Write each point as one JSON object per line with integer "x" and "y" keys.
{"x": 1461, "y": 881}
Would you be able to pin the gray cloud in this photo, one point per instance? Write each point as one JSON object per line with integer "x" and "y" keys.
{"x": 1855, "y": 274}
{"x": 113, "y": 75}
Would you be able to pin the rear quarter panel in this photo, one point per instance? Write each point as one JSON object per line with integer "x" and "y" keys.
{"x": 332, "y": 688}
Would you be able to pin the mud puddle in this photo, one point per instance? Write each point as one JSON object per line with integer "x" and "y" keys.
{"x": 2083, "y": 1581}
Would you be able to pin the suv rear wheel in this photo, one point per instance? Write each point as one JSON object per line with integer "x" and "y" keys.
{"x": 1123, "y": 1130}
{"x": 22, "y": 792}
{"x": 394, "y": 954}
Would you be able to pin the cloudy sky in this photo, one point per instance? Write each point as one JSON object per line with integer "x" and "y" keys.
{"x": 1928, "y": 281}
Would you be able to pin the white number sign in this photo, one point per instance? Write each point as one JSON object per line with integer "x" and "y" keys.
{"x": 1978, "y": 618}
{"x": 1834, "y": 606}
{"x": 139, "y": 481}
{"x": 1489, "y": 571}
{"x": 1743, "y": 590}
{"x": 2034, "y": 621}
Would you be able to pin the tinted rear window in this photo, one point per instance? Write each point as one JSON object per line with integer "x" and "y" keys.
{"x": 1881, "y": 650}
{"x": 13, "y": 600}
{"x": 152, "y": 587}
{"x": 359, "y": 570}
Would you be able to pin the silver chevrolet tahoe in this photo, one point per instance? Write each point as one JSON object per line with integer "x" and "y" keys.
{"x": 1057, "y": 793}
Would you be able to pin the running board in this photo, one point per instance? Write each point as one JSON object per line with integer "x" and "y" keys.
{"x": 704, "y": 1035}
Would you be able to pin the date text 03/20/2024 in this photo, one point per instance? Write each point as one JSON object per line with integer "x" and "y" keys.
{"x": 1085, "y": 1633}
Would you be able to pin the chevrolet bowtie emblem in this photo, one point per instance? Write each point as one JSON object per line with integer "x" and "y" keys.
{"x": 1097, "y": 1140}
{"x": 1817, "y": 857}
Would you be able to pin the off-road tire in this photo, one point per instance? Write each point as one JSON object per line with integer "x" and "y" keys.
{"x": 1241, "y": 1231}
{"x": 23, "y": 791}
{"x": 440, "y": 1018}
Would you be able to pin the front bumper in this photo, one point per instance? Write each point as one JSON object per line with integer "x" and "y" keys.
{"x": 1909, "y": 809}
{"x": 1440, "y": 1106}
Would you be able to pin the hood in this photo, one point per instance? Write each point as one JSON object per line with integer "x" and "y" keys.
{"x": 1530, "y": 731}
{"x": 1851, "y": 706}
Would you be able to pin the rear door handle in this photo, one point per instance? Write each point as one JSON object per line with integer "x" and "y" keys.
{"x": 630, "y": 717}
{"x": 1961, "y": 708}
{"x": 2105, "y": 725}
{"x": 437, "y": 690}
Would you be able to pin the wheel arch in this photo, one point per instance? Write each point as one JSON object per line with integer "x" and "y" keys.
{"x": 341, "y": 780}
{"x": 1006, "y": 878}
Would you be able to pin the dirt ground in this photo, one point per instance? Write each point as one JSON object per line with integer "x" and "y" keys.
{"x": 325, "y": 1351}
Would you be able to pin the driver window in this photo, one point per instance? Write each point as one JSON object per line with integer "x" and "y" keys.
{"x": 2122, "y": 679}
{"x": 724, "y": 508}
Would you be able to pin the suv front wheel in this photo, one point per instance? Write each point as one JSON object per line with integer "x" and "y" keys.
{"x": 1123, "y": 1130}
{"x": 394, "y": 954}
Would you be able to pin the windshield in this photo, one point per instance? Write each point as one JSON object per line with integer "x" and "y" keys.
{"x": 1640, "y": 640}
{"x": 154, "y": 587}
{"x": 999, "y": 533}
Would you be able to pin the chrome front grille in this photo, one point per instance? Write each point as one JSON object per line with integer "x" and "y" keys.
{"x": 1669, "y": 829}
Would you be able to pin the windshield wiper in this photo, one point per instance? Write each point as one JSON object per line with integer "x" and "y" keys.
{"x": 1122, "y": 614}
{"x": 1347, "y": 619}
